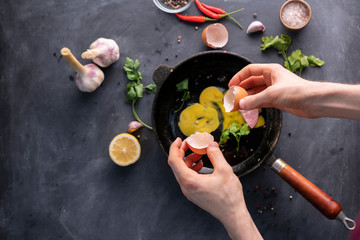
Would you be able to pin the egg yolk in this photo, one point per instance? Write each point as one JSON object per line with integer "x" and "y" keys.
{"x": 213, "y": 97}
{"x": 209, "y": 113}
{"x": 198, "y": 118}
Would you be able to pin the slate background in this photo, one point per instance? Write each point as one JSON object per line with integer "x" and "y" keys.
{"x": 56, "y": 179}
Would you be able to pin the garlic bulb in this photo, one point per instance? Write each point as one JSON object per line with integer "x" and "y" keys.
{"x": 103, "y": 52}
{"x": 89, "y": 77}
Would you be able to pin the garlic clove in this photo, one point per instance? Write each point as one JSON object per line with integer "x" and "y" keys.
{"x": 103, "y": 52}
{"x": 255, "y": 26}
{"x": 134, "y": 126}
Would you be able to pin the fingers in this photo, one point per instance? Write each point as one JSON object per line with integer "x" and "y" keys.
{"x": 197, "y": 167}
{"x": 251, "y": 82}
{"x": 256, "y": 90}
{"x": 259, "y": 100}
{"x": 176, "y": 156}
{"x": 191, "y": 159}
{"x": 216, "y": 157}
{"x": 252, "y": 70}
{"x": 184, "y": 146}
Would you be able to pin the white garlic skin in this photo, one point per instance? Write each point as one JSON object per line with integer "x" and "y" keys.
{"x": 103, "y": 52}
{"x": 91, "y": 79}
{"x": 255, "y": 26}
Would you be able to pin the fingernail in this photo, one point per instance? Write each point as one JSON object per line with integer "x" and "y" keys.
{"x": 242, "y": 104}
{"x": 213, "y": 144}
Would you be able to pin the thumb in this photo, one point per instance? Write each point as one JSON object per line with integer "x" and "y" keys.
{"x": 258, "y": 100}
{"x": 216, "y": 157}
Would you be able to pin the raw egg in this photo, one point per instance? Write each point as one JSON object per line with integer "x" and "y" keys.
{"x": 198, "y": 118}
{"x": 198, "y": 142}
{"x": 215, "y": 36}
{"x": 232, "y": 98}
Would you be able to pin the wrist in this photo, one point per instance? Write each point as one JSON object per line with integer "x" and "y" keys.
{"x": 334, "y": 100}
{"x": 240, "y": 225}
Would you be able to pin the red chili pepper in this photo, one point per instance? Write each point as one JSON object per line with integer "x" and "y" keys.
{"x": 197, "y": 19}
{"x": 211, "y": 14}
{"x": 206, "y": 11}
{"x": 220, "y": 11}
{"x": 214, "y": 9}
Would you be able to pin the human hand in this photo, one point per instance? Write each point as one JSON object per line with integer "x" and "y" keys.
{"x": 271, "y": 85}
{"x": 219, "y": 193}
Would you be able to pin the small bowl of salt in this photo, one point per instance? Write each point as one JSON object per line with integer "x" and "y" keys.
{"x": 295, "y": 14}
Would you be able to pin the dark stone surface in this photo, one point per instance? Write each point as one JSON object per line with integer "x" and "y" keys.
{"x": 56, "y": 179}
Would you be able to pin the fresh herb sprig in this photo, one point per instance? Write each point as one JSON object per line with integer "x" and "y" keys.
{"x": 134, "y": 89}
{"x": 296, "y": 61}
{"x": 235, "y": 130}
{"x": 183, "y": 86}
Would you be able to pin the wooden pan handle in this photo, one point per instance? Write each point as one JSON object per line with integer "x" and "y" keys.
{"x": 319, "y": 199}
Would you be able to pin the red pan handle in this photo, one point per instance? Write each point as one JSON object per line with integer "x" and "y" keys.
{"x": 319, "y": 199}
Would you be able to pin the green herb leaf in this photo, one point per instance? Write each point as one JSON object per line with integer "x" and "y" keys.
{"x": 281, "y": 44}
{"x": 136, "y": 64}
{"x": 244, "y": 130}
{"x": 151, "y": 88}
{"x": 315, "y": 62}
{"x": 236, "y": 130}
{"x": 130, "y": 68}
{"x": 134, "y": 89}
{"x": 186, "y": 96}
{"x": 183, "y": 85}
{"x": 296, "y": 61}
{"x": 224, "y": 136}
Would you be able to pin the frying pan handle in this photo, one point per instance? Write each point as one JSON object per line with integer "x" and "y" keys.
{"x": 319, "y": 199}
{"x": 160, "y": 74}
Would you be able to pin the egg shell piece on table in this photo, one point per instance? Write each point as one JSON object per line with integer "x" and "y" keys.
{"x": 232, "y": 98}
{"x": 215, "y": 36}
{"x": 198, "y": 142}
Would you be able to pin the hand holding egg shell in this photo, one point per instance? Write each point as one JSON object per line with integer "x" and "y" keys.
{"x": 232, "y": 103}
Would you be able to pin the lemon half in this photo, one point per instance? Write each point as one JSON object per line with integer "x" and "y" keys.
{"x": 124, "y": 149}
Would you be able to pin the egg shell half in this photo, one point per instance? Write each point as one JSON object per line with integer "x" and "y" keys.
{"x": 198, "y": 142}
{"x": 215, "y": 36}
{"x": 232, "y": 98}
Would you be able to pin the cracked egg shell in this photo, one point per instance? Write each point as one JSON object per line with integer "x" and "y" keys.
{"x": 215, "y": 36}
{"x": 232, "y": 98}
{"x": 198, "y": 142}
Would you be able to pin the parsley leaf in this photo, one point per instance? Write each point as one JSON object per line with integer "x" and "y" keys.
{"x": 315, "y": 62}
{"x": 151, "y": 88}
{"x": 281, "y": 44}
{"x": 183, "y": 86}
{"x": 296, "y": 61}
{"x": 134, "y": 89}
{"x": 236, "y": 130}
